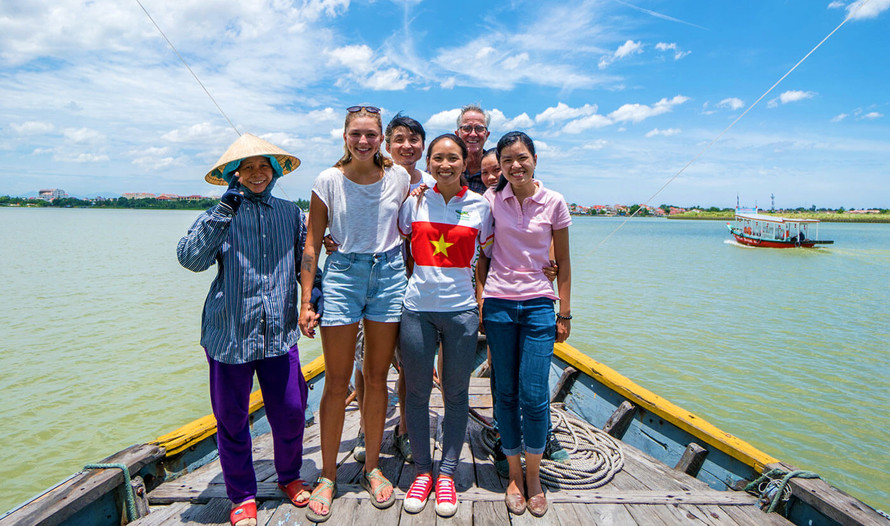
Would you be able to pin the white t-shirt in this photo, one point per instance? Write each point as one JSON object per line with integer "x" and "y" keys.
{"x": 363, "y": 218}
{"x": 444, "y": 240}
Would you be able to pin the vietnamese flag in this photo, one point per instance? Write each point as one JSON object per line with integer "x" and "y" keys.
{"x": 443, "y": 245}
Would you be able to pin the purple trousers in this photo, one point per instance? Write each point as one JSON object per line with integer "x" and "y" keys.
{"x": 284, "y": 394}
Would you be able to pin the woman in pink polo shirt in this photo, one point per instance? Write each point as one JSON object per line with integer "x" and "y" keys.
{"x": 519, "y": 313}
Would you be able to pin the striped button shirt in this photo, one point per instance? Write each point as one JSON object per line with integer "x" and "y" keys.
{"x": 252, "y": 308}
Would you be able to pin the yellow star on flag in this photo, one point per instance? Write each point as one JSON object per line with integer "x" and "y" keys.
{"x": 441, "y": 246}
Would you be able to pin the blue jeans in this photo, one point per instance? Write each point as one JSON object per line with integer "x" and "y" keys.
{"x": 419, "y": 339}
{"x": 363, "y": 286}
{"x": 521, "y": 335}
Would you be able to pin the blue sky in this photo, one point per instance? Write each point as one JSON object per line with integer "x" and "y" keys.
{"x": 617, "y": 95}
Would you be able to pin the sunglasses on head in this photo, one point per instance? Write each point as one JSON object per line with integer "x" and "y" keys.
{"x": 369, "y": 109}
{"x": 469, "y": 128}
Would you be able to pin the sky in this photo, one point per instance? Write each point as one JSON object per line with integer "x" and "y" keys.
{"x": 619, "y": 96}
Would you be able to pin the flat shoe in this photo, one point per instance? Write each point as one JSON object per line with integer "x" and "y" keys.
{"x": 318, "y": 517}
{"x": 537, "y": 505}
{"x": 294, "y": 489}
{"x": 376, "y": 474}
{"x": 515, "y": 503}
{"x": 245, "y": 511}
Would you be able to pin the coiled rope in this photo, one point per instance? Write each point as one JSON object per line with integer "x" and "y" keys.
{"x": 773, "y": 488}
{"x": 595, "y": 456}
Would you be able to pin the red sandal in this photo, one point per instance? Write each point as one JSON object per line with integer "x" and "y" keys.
{"x": 247, "y": 510}
{"x": 295, "y": 489}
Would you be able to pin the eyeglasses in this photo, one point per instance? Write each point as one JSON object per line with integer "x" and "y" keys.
{"x": 469, "y": 128}
{"x": 369, "y": 109}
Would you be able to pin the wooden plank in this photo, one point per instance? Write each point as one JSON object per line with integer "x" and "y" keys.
{"x": 215, "y": 513}
{"x": 490, "y": 514}
{"x": 551, "y": 518}
{"x": 487, "y": 477}
{"x": 84, "y": 488}
{"x": 161, "y": 515}
{"x": 424, "y": 517}
{"x": 271, "y": 508}
{"x": 463, "y": 517}
{"x": 831, "y": 501}
{"x": 603, "y": 514}
{"x": 366, "y": 513}
{"x": 752, "y": 516}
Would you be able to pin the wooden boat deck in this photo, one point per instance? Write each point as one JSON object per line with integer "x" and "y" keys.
{"x": 645, "y": 491}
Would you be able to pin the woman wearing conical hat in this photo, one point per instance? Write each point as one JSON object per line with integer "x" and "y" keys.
{"x": 249, "y": 324}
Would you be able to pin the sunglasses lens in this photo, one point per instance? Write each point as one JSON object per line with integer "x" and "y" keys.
{"x": 369, "y": 109}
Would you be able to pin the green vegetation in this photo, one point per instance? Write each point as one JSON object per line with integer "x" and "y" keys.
{"x": 839, "y": 216}
{"x": 121, "y": 202}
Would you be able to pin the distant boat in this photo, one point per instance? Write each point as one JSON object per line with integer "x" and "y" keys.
{"x": 759, "y": 230}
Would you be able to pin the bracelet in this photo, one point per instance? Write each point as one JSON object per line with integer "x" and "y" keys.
{"x": 561, "y": 317}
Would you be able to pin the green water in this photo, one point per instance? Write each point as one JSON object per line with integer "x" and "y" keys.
{"x": 787, "y": 349}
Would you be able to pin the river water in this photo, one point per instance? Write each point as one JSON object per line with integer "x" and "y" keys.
{"x": 787, "y": 349}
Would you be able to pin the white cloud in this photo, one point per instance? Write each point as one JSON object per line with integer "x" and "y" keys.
{"x": 201, "y": 132}
{"x": 665, "y": 133}
{"x": 867, "y": 9}
{"x": 836, "y": 4}
{"x": 444, "y": 120}
{"x": 640, "y": 112}
{"x": 839, "y": 117}
{"x": 562, "y": 112}
{"x": 732, "y": 103}
{"x": 33, "y": 127}
{"x": 678, "y": 53}
{"x": 586, "y": 123}
{"x": 871, "y": 116}
{"x": 356, "y": 58}
{"x": 82, "y": 158}
{"x": 596, "y": 145}
{"x": 791, "y": 96}
{"x": 624, "y": 50}
{"x": 520, "y": 122}
{"x": 366, "y": 70}
{"x": 83, "y": 136}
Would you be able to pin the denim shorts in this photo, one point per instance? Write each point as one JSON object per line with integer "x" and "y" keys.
{"x": 363, "y": 286}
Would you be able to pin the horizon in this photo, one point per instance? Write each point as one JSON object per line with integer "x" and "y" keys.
{"x": 617, "y": 96}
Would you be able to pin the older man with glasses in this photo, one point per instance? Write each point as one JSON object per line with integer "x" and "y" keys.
{"x": 472, "y": 128}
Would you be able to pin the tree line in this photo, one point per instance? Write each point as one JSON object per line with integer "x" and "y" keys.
{"x": 122, "y": 202}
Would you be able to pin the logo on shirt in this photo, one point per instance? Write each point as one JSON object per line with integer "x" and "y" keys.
{"x": 464, "y": 216}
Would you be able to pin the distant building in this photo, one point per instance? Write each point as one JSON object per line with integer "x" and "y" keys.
{"x": 139, "y": 195}
{"x": 51, "y": 193}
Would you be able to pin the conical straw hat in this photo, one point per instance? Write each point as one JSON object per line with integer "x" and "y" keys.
{"x": 249, "y": 145}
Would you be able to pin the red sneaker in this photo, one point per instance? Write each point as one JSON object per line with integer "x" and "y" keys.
{"x": 446, "y": 497}
{"x": 418, "y": 494}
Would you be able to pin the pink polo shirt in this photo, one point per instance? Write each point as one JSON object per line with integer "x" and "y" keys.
{"x": 522, "y": 237}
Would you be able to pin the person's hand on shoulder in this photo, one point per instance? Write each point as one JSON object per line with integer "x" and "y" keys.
{"x": 231, "y": 199}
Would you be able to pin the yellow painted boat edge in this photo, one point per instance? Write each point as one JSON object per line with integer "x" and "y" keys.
{"x": 692, "y": 424}
{"x": 181, "y": 439}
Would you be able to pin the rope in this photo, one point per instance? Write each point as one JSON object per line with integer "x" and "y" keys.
{"x": 128, "y": 488}
{"x": 188, "y": 68}
{"x": 773, "y": 488}
{"x": 595, "y": 456}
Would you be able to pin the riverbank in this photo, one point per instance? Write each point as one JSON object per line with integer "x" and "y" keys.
{"x": 821, "y": 216}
